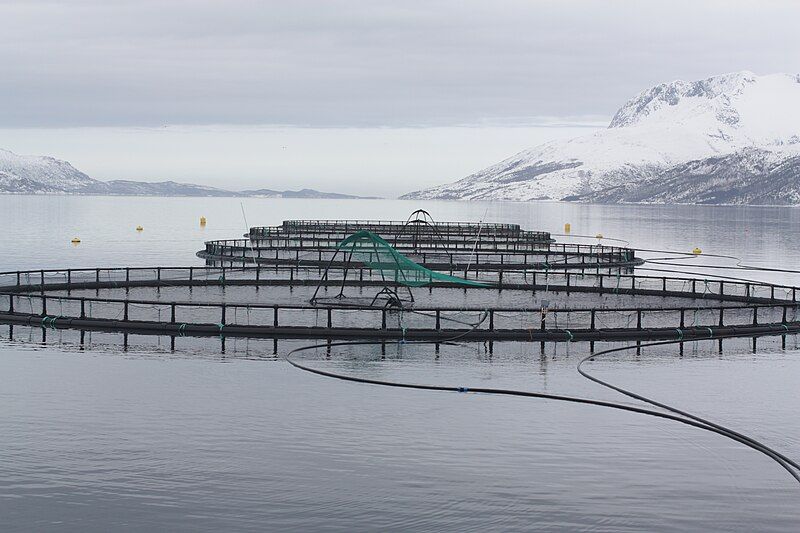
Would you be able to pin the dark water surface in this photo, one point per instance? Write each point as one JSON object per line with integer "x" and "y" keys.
{"x": 147, "y": 439}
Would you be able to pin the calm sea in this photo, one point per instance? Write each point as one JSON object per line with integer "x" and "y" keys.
{"x": 198, "y": 440}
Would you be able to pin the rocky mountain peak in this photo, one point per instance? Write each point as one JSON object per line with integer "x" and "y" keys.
{"x": 717, "y": 90}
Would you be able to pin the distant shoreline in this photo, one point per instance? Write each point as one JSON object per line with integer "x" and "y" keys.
{"x": 542, "y": 200}
{"x": 333, "y": 196}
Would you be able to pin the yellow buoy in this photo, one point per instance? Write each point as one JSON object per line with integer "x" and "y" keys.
{"x": 75, "y": 241}
{"x": 139, "y": 228}
{"x": 202, "y": 221}
{"x": 697, "y": 251}
{"x": 599, "y": 236}
{"x": 567, "y": 227}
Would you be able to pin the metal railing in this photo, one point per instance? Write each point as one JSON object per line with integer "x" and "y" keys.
{"x": 392, "y": 232}
{"x": 551, "y": 256}
{"x": 24, "y": 296}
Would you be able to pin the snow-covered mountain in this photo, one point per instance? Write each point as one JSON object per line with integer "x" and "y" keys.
{"x": 32, "y": 174}
{"x": 733, "y": 138}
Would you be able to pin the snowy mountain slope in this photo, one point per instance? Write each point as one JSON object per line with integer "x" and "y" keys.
{"x": 27, "y": 174}
{"x": 735, "y": 132}
{"x": 47, "y": 175}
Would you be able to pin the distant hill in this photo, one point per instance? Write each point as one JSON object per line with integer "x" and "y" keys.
{"x": 728, "y": 139}
{"x": 302, "y": 193}
{"x": 161, "y": 188}
{"x": 30, "y": 174}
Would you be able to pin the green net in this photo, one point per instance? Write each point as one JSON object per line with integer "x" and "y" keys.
{"x": 377, "y": 254}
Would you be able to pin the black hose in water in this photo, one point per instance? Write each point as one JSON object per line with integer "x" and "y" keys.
{"x": 673, "y": 413}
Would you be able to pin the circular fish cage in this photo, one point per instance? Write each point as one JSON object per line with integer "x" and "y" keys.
{"x": 441, "y": 246}
{"x": 417, "y": 280}
{"x": 276, "y": 301}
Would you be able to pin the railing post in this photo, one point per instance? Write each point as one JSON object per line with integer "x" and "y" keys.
{"x": 383, "y": 318}
{"x": 172, "y": 313}
{"x": 83, "y": 307}
{"x": 592, "y": 319}
{"x": 438, "y": 320}
{"x": 639, "y": 319}
{"x": 275, "y": 316}
{"x": 224, "y": 307}
{"x": 330, "y": 321}
{"x": 755, "y": 316}
{"x": 44, "y": 305}
{"x": 721, "y": 316}
{"x": 491, "y": 320}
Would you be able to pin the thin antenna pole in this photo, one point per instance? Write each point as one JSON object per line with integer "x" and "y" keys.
{"x": 247, "y": 228}
{"x": 475, "y": 245}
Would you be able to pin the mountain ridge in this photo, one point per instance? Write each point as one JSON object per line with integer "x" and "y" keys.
{"x": 30, "y": 174}
{"x": 692, "y": 134}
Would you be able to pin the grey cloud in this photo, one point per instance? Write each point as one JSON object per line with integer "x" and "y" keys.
{"x": 345, "y": 63}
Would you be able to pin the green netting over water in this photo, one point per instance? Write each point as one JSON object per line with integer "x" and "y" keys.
{"x": 377, "y": 254}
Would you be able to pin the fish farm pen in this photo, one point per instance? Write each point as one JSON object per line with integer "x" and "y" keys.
{"x": 412, "y": 280}
{"x": 444, "y": 246}
{"x": 362, "y": 287}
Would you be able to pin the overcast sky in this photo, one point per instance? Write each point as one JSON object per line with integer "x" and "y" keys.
{"x": 370, "y": 64}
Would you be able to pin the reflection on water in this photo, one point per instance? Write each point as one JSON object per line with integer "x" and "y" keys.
{"x": 110, "y": 433}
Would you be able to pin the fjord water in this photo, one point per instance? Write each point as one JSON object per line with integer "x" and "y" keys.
{"x": 143, "y": 439}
